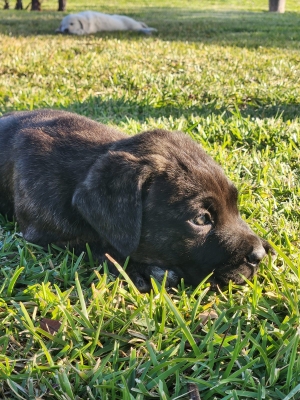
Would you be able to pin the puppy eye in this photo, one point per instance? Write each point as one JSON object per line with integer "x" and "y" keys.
{"x": 202, "y": 219}
{"x": 71, "y": 23}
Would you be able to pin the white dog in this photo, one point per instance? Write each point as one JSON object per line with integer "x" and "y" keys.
{"x": 88, "y": 22}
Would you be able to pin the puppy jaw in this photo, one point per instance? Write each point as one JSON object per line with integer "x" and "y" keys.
{"x": 245, "y": 252}
{"x": 194, "y": 262}
{"x": 243, "y": 263}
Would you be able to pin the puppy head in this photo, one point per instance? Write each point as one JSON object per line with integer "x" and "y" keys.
{"x": 72, "y": 24}
{"x": 161, "y": 199}
{"x": 197, "y": 230}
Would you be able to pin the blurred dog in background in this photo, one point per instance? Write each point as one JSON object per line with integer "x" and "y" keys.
{"x": 87, "y": 22}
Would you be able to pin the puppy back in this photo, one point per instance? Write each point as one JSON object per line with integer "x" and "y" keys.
{"x": 57, "y": 124}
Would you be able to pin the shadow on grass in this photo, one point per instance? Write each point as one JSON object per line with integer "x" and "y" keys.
{"x": 120, "y": 110}
{"x": 234, "y": 28}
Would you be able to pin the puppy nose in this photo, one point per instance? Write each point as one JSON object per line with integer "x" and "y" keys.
{"x": 66, "y": 30}
{"x": 256, "y": 255}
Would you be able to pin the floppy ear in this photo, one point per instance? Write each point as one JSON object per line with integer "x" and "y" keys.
{"x": 80, "y": 23}
{"x": 110, "y": 199}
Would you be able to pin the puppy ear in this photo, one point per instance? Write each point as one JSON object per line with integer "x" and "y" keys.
{"x": 110, "y": 199}
{"x": 81, "y": 24}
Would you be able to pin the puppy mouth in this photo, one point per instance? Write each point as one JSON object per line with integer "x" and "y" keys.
{"x": 221, "y": 277}
{"x": 245, "y": 268}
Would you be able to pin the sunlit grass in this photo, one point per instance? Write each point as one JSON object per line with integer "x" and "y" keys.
{"x": 226, "y": 73}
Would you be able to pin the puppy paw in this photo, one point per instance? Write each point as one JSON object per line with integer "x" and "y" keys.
{"x": 142, "y": 280}
{"x": 147, "y": 31}
{"x": 143, "y": 285}
{"x": 159, "y": 273}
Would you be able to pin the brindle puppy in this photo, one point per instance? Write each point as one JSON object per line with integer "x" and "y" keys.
{"x": 156, "y": 197}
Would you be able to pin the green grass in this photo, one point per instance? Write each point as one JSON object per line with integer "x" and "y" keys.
{"x": 228, "y": 74}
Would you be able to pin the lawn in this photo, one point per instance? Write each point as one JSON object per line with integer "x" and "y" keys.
{"x": 227, "y": 73}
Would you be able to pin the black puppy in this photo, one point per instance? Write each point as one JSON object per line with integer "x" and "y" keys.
{"x": 156, "y": 197}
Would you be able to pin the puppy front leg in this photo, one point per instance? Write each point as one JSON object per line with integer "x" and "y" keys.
{"x": 141, "y": 276}
{"x": 42, "y": 238}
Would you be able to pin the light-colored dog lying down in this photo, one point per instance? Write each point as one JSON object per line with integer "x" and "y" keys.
{"x": 87, "y": 22}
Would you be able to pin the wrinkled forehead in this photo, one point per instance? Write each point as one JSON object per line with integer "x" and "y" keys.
{"x": 205, "y": 186}
{"x": 171, "y": 200}
{"x": 215, "y": 197}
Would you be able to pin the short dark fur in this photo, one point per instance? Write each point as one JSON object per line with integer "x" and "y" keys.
{"x": 67, "y": 178}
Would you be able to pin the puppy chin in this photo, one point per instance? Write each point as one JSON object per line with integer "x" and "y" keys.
{"x": 220, "y": 278}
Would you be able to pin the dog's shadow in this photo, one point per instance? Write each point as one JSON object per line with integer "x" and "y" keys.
{"x": 118, "y": 111}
